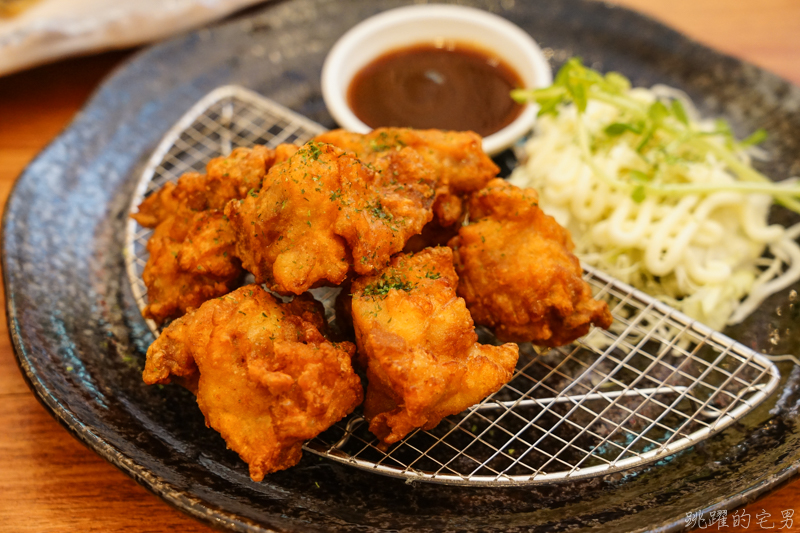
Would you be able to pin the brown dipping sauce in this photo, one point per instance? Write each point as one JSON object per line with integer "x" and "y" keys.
{"x": 455, "y": 87}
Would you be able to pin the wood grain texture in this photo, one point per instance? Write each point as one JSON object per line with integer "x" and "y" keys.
{"x": 49, "y": 482}
{"x": 763, "y": 32}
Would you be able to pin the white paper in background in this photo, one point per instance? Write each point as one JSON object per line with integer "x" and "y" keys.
{"x": 52, "y": 29}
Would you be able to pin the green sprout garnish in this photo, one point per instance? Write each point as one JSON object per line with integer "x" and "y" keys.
{"x": 662, "y": 134}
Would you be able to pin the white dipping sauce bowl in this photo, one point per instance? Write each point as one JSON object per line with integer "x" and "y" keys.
{"x": 432, "y": 23}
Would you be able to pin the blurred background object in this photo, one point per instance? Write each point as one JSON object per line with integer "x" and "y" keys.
{"x": 9, "y": 8}
{"x": 33, "y": 32}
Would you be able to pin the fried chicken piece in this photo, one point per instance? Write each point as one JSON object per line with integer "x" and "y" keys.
{"x": 418, "y": 343}
{"x": 455, "y": 156}
{"x": 191, "y": 250}
{"x": 182, "y": 274}
{"x": 517, "y": 272}
{"x": 226, "y": 177}
{"x": 460, "y": 164}
{"x": 324, "y": 213}
{"x": 265, "y": 377}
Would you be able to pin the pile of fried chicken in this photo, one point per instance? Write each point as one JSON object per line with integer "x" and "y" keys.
{"x": 425, "y": 241}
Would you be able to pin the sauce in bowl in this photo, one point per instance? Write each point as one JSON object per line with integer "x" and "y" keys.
{"x": 452, "y": 86}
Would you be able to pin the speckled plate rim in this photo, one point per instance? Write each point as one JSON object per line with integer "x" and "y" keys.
{"x": 157, "y": 485}
{"x": 194, "y": 507}
{"x": 198, "y": 508}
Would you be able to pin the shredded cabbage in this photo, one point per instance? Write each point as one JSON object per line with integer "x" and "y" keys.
{"x": 657, "y": 197}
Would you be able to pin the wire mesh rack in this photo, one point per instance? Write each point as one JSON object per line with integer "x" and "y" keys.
{"x": 654, "y": 384}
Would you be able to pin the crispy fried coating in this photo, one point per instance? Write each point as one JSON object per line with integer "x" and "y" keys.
{"x": 183, "y": 273}
{"x": 191, "y": 250}
{"x": 324, "y": 213}
{"x": 517, "y": 272}
{"x": 456, "y": 156}
{"x": 264, "y": 375}
{"x": 418, "y": 343}
{"x": 460, "y": 164}
{"x": 226, "y": 177}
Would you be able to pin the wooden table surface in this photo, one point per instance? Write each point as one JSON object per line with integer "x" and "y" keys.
{"x": 49, "y": 482}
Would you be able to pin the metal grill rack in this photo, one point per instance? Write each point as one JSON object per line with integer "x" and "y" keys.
{"x": 656, "y": 383}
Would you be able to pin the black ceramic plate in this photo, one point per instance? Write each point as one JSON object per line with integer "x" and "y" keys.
{"x": 81, "y": 342}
